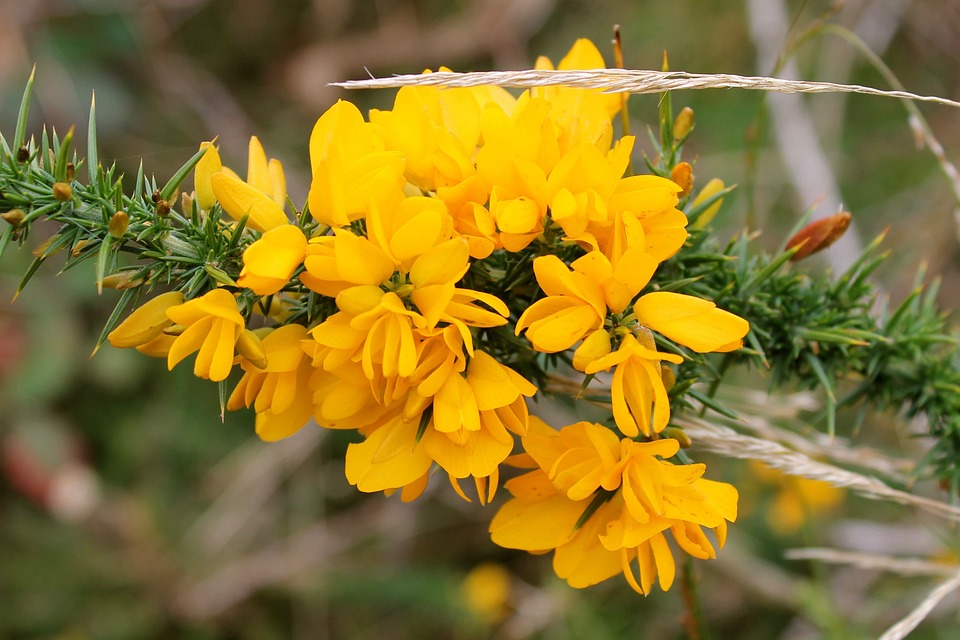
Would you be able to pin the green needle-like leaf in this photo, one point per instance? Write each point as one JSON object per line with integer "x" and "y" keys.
{"x": 21, "y": 131}
{"x": 173, "y": 183}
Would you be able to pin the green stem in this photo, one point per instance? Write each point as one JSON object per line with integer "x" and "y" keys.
{"x": 694, "y": 624}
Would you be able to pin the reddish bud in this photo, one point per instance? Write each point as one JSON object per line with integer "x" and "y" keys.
{"x": 818, "y": 235}
{"x": 682, "y": 174}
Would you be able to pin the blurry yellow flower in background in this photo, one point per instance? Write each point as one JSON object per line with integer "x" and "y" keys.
{"x": 485, "y": 592}
{"x": 797, "y": 500}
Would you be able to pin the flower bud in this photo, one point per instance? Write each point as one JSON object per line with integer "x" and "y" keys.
{"x": 819, "y": 235}
{"x": 71, "y": 171}
{"x": 682, "y": 174}
{"x": 594, "y": 346}
{"x": 250, "y": 347}
{"x": 41, "y": 250}
{"x": 15, "y": 217}
{"x": 163, "y": 208}
{"x": 118, "y": 224}
{"x": 23, "y": 154}
{"x": 668, "y": 376}
{"x": 122, "y": 281}
{"x": 683, "y": 124}
{"x": 709, "y": 190}
{"x": 681, "y": 436}
{"x": 78, "y": 248}
{"x": 62, "y": 191}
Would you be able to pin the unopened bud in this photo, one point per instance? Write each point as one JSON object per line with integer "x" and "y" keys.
{"x": 15, "y": 217}
{"x": 250, "y": 347}
{"x": 679, "y": 435}
{"x": 819, "y": 235}
{"x": 122, "y": 281}
{"x": 683, "y": 124}
{"x": 62, "y": 191}
{"x": 118, "y": 224}
{"x": 71, "y": 171}
{"x": 682, "y": 174}
{"x": 668, "y": 376}
{"x": 709, "y": 190}
{"x": 163, "y": 208}
{"x": 41, "y": 250}
{"x": 23, "y": 154}
{"x": 78, "y": 248}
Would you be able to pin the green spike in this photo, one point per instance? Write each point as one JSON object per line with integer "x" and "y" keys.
{"x": 21, "y": 131}
{"x": 63, "y": 155}
{"x": 168, "y": 189}
{"x": 93, "y": 161}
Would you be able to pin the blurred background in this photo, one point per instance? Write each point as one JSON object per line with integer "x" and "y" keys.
{"x": 128, "y": 510}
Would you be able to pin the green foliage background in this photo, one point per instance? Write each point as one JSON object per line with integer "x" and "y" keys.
{"x": 198, "y": 530}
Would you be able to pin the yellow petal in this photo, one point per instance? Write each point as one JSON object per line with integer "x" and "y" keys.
{"x": 270, "y": 261}
{"x": 690, "y": 321}
{"x": 207, "y": 166}
{"x": 444, "y": 263}
{"x": 146, "y": 323}
{"x": 239, "y": 199}
{"x": 258, "y": 174}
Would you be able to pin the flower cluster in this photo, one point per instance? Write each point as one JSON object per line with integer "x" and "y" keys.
{"x": 445, "y": 243}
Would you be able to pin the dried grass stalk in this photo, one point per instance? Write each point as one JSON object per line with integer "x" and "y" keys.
{"x": 727, "y": 442}
{"x": 628, "y": 81}
{"x": 903, "y": 628}
{"x": 899, "y": 566}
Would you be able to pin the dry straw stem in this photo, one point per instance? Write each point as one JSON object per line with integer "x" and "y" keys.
{"x": 907, "y": 624}
{"x": 727, "y": 442}
{"x": 900, "y": 566}
{"x": 819, "y": 446}
{"x": 629, "y": 81}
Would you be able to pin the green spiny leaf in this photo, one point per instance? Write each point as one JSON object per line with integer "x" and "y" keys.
{"x": 168, "y": 189}
{"x": 21, "y": 131}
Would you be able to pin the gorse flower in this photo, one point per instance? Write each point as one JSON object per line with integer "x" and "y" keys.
{"x": 602, "y": 505}
{"x": 444, "y": 245}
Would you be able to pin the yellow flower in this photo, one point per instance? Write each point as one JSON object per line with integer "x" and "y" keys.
{"x": 637, "y": 390}
{"x": 473, "y": 417}
{"x": 582, "y": 115}
{"x": 213, "y": 325}
{"x": 573, "y": 307}
{"x": 642, "y": 214}
{"x": 260, "y": 198}
{"x": 279, "y": 391}
{"x": 146, "y": 323}
{"x": 437, "y": 131}
{"x": 269, "y": 262}
{"x": 577, "y": 300}
{"x": 601, "y": 507}
{"x": 352, "y": 171}
{"x": 581, "y": 183}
